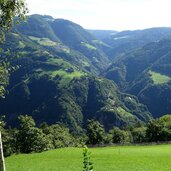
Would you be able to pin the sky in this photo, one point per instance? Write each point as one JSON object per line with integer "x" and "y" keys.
{"x": 107, "y": 14}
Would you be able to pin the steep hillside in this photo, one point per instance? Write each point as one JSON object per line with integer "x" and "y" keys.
{"x": 146, "y": 73}
{"x": 64, "y": 36}
{"x": 55, "y": 82}
{"x": 81, "y": 99}
{"x": 37, "y": 26}
{"x": 57, "y": 65}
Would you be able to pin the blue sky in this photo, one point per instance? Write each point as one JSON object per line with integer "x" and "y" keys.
{"x": 107, "y": 14}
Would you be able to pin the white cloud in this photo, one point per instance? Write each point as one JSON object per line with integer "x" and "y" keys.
{"x": 107, "y": 14}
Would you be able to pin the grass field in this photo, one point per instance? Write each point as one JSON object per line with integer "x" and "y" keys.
{"x": 159, "y": 78}
{"x": 88, "y": 46}
{"x": 126, "y": 158}
{"x": 43, "y": 41}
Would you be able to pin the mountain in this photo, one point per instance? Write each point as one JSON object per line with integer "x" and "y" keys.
{"x": 102, "y": 34}
{"x": 66, "y": 36}
{"x": 55, "y": 79}
{"x": 125, "y": 41}
{"x": 146, "y": 73}
{"x": 65, "y": 73}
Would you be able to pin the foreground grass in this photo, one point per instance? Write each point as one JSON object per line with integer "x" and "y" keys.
{"x": 126, "y": 158}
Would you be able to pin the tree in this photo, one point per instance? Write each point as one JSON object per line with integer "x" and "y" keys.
{"x": 157, "y": 131}
{"x": 95, "y": 132}
{"x": 2, "y": 162}
{"x": 3, "y": 79}
{"x": 58, "y": 135}
{"x": 139, "y": 134}
{"x": 30, "y": 138}
{"x": 10, "y": 10}
{"x": 119, "y": 136}
{"x": 9, "y": 137}
{"x": 167, "y": 120}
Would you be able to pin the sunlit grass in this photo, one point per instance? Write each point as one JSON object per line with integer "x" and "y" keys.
{"x": 100, "y": 43}
{"x": 43, "y": 41}
{"x": 118, "y": 158}
{"x": 122, "y": 112}
{"x": 67, "y": 77}
{"x": 59, "y": 61}
{"x": 88, "y": 46}
{"x": 21, "y": 45}
{"x": 159, "y": 78}
{"x": 65, "y": 74}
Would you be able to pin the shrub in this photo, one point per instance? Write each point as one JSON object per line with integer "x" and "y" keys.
{"x": 88, "y": 166}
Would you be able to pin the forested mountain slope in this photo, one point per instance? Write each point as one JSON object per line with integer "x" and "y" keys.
{"x": 55, "y": 78}
{"x": 146, "y": 73}
{"x": 62, "y": 72}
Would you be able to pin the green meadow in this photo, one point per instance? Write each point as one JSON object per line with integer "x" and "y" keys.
{"x": 88, "y": 46}
{"x": 116, "y": 158}
{"x": 159, "y": 78}
{"x": 43, "y": 41}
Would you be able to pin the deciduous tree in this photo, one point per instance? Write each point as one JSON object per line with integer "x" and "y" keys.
{"x": 10, "y": 10}
{"x": 95, "y": 132}
{"x": 31, "y": 138}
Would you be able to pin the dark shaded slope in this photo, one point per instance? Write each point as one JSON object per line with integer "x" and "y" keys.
{"x": 146, "y": 74}
{"x": 83, "y": 99}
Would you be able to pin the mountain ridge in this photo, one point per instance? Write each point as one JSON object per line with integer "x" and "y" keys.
{"x": 65, "y": 74}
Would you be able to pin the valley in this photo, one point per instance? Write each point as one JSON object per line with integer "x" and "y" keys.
{"x": 64, "y": 73}
{"x": 67, "y": 74}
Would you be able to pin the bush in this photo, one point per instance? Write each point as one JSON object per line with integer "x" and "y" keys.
{"x": 59, "y": 136}
{"x": 88, "y": 166}
{"x": 117, "y": 135}
{"x": 157, "y": 131}
{"x": 139, "y": 135}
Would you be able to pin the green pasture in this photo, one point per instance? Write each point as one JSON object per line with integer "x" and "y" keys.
{"x": 88, "y": 46}
{"x": 159, "y": 78}
{"x": 43, "y": 41}
{"x": 116, "y": 158}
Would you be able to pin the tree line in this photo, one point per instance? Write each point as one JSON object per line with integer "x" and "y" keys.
{"x": 29, "y": 138}
{"x": 156, "y": 130}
